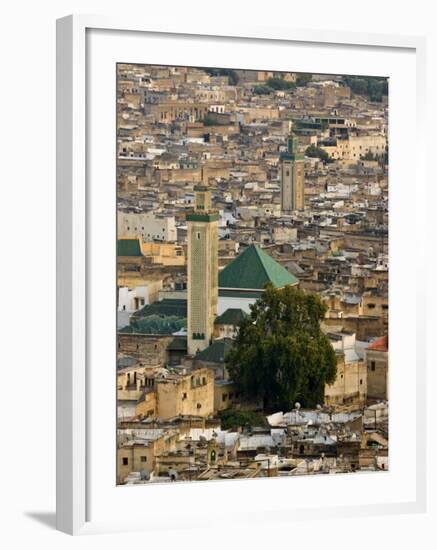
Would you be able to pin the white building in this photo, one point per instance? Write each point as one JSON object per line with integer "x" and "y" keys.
{"x": 149, "y": 226}
{"x": 133, "y": 299}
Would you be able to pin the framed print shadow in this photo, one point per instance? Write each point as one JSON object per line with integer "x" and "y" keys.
{"x": 231, "y": 276}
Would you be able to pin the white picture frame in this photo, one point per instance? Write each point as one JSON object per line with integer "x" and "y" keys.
{"x": 76, "y": 208}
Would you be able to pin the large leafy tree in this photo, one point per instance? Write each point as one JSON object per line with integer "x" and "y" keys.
{"x": 280, "y": 354}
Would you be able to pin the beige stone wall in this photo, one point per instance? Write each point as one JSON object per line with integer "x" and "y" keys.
{"x": 133, "y": 459}
{"x": 148, "y": 348}
{"x": 171, "y": 111}
{"x": 350, "y": 385}
{"x": 192, "y": 395}
{"x": 141, "y": 457}
{"x": 225, "y": 396}
{"x": 364, "y": 327}
{"x": 377, "y": 375}
{"x": 193, "y": 175}
{"x": 259, "y": 113}
{"x": 163, "y": 253}
{"x": 147, "y": 406}
{"x": 355, "y": 147}
{"x": 376, "y": 305}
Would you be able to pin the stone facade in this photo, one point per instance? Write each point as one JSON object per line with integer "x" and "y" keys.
{"x": 151, "y": 349}
{"x": 187, "y": 395}
{"x": 377, "y": 370}
{"x": 350, "y": 386}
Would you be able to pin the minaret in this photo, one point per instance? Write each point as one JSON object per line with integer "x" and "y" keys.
{"x": 202, "y": 284}
{"x": 292, "y": 176}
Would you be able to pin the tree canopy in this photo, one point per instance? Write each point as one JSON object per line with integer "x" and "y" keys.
{"x": 316, "y": 152}
{"x": 372, "y": 87}
{"x": 232, "y": 419}
{"x": 280, "y": 84}
{"x": 261, "y": 89}
{"x": 230, "y": 73}
{"x": 281, "y": 355}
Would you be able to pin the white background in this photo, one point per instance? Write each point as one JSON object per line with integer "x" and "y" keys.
{"x": 28, "y": 271}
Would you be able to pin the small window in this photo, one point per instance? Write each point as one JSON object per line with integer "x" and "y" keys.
{"x": 144, "y": 459}
{"x": 361, "y": 381}
{"x": 184, "y": 395}
{"x": 372, "y": 365}
{"x": 125, "y": 461}
{"x": 198, "y": 235}
{"x": 199, "y": 405}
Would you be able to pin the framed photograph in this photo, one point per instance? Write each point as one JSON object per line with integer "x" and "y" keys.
{"x": 233, "y": 283}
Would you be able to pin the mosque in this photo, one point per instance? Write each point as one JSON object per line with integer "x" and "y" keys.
{"x": 212, "y": 293}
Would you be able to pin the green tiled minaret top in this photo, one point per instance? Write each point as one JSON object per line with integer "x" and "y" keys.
{"x": 292, "y": 146}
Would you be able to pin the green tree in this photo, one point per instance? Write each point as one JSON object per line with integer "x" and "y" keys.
{"x": 230, "y": 73}
{"x": 262, "y": 90}
{"x": 281, "y": 355}
{"x": 302, "y": 79}
{"x": 316, "y": 152}
{"x": 232, "y": 419}
{"x": 280, "y": 84}
{"x": 210, "y": 120}
{"x": 372, "y": 87}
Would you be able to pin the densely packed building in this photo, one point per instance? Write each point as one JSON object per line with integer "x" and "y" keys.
{"x": 228, "y": 180}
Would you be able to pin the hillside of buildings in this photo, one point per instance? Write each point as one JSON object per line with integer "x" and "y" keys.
{"x": 229, "y": 180}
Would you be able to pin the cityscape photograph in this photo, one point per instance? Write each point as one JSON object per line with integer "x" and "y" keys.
{"x": 252, "y": 274}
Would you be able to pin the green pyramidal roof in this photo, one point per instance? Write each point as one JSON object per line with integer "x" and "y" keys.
{"x": 253, "y": 269}
{"x": 215, "y": 353}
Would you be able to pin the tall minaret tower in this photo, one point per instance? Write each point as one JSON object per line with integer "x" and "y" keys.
{"x": 292, "y": 176}
{"x": 202, "y": 285}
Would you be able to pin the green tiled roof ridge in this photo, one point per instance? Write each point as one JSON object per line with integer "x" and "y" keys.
{"x": 253, "y": 269}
